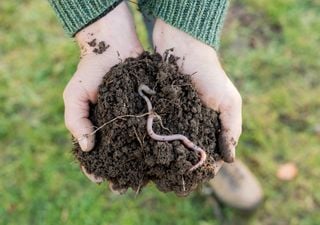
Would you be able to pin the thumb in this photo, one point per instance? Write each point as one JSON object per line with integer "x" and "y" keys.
{"x": 76, "y": 102}
{"x": 231, "y": 126}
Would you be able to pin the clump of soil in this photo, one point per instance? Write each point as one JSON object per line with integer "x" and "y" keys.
{"x": 124, "y": 152}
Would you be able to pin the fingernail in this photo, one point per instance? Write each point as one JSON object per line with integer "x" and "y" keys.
{"x": 92, "y": 177}
{"x": 233, "y": 153}
{"x": 227, "y": 149}
{"x": 229, "y": 155}
{"x": 116, "y": 192}
{"x": 83, "y": 142}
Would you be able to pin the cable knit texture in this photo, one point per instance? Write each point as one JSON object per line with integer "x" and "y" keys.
{"x": 202, "y": 19}
{"x": 77, "y": 14}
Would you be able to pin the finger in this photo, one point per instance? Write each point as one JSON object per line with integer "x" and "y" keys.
{"x": 116, "y": 191}
{"x": 76, "y": 116}
{"x": 231, "y": 126}
{"x": 91, "y": 177}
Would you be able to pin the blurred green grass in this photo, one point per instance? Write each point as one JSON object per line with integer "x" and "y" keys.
{"x": 269, "y": 48}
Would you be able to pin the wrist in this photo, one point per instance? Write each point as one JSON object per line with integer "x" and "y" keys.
{"x": 201, "y": 19}
{"x": 191, "y": 51}
{"x": 114, "y": 34}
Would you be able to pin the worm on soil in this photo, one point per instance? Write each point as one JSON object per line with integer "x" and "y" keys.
{"x": 151, "y": 115}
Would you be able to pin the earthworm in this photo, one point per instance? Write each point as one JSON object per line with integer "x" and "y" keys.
{"x": 189, "y": 144}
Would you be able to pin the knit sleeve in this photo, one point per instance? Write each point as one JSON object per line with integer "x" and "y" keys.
{"x": 77, "y": 14}
{"x": 202, "y": 19}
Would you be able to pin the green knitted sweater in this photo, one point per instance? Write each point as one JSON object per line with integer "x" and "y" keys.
{"x": 201, "y": 19}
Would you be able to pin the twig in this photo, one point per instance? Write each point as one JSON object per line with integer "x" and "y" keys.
{"x": 161, "y": 124}
{"x": 110, "y": 121}
{"x": 135, "y": 132}
{"x": 139, "y": 188}
{"x": 189, "y": 144}
{"x": 183, "y": 184}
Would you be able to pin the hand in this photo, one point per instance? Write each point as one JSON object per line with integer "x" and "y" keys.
{"x": 214, "y": 87}
{"x": 101, "y": 43}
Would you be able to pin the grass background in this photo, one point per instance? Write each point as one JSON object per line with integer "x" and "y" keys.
{"x": 271, "y": 51}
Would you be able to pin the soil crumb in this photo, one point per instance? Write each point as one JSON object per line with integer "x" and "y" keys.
{"x": 101, "y": 48}
{"x": 125, "y": 154}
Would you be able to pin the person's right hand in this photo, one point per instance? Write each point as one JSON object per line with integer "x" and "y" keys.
{"x": 117, "y": 31}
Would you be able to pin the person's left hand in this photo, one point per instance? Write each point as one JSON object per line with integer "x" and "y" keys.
{"x": 213, "y": 85}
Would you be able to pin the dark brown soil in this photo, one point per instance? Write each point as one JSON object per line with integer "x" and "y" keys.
{"x": 124, "y": 153}
{"x": 99, "y": 48}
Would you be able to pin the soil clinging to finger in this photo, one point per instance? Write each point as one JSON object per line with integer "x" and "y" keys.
{"x": 125, "y": 154}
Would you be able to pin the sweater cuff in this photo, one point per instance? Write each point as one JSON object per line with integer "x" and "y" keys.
{"x": 75, "y": 15}
{"x": 202, "y": 19}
